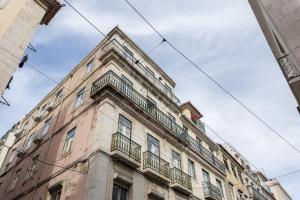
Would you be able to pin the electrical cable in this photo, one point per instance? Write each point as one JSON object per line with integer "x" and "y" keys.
{"x": 214, "y": 81}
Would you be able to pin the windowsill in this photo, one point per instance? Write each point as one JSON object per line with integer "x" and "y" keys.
{"x": 76, "y": 108}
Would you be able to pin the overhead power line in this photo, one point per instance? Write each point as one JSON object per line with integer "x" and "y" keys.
{"x": 86, "y": 19}
{"x": 214, "y": 81}
{"x": 47, "y": 163}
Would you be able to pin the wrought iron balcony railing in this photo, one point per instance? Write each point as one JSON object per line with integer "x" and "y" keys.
{"x": 129, "y": 57}
{"x": 111, "y": 79}
{"x": 178, "y": 176}
{"x": 206, "y": 154}
{"x": 255, "y": 194}
{"x": 211, "y": 191}
{"x": 200, "y": 125}
{"x": 124, "y": 144}
{"x": 155, "y": 163}
{"x": 290, "y": 71}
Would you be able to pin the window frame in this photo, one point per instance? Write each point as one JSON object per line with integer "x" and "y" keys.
{"x": 69, "y": 140}
{"x": 176, "y": 157}
{"x": 120, "y": 123}
{"x": 191, "y": 163}
{"x": 151, "y": 143}
{"x": 119, "y": 190}
{"x": 46, "y": 126}
{"x": 89, "y": 66}
{"x": 220, "y": 185}
{"x": 80, "y": 96}
{"x": 205, "y": 174}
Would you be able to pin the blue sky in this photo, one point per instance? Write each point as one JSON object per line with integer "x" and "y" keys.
{"x": 223, "y": 37}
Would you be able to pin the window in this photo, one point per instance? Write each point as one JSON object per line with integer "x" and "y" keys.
{"x": 241, "y": 178}
{"x": 176, "y": 160}
{"x": 14, "y": 180}
{"x": 185, "y": 129}
{"x": 79, "y": 98}
{"x": 231, "y": 190}
{"x": 205, "y": 176}
{"x": 199, "y": 143}
{"x": 59, "y": 95}
{"x": 168, "y": 90}
{"x": 29, "y": 142}
{"x": 89, "y": 66}
{"x": 25, "y": 127}
{"x": 153, "y": 145}
{"x": 219, "y": 185}
{"x": 191, "y": 169}
{"x": 126, "y": 80}
{"x": 31, "y": 170}
{"x": 151, "y": 102}
{"x": 46, "y": 127}
{"x": 226, "y": 164}
{"x": 55, "y": 192}
{"x": 149, "y": 74}
{"x": 127, "y": 52}
{"x": 124, "y": 126}
{"x": 69, "y": 141}
{"x": 119, "y": 193}
{"x": 171, "y": 117}
{"x": 233, "y": 170}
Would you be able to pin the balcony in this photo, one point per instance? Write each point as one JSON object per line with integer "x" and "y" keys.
{"x": 211, "y": 192}
{"x": 200, "y": 125}
{"x": 141, "y": 68}
{"x": 181, "y": 181}
{"x": 114, "y": 81}
{"x": 110, "y": 79}
{"x": 125, "y": 150}
{"x": 156, "y": 168}
{"x": 254, "y": 194}
{"x": 206, "y": 154}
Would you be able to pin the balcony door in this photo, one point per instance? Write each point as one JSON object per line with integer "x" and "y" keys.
{"x": 205, "y": 176}
{"x": 124, "y": 126}
{"x": 153, "y": 145}
{"x": 176, "y": 160}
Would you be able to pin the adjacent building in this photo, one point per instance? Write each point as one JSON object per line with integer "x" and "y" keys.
{"x": 235, "y": 184}
{"x": 280, "y": 23}
{"x": 278, "y": 191}
{"x": 18, "y": 22}
{"x": 8, "y": 139}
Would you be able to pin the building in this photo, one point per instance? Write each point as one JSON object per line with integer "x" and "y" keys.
{"x": 280, "y": 22}
{"x": 244, "y": 176}
{"x": 18, "y": 22}
{"x": 278, "y": 191}
{"x": 235, "y": 184}
{"x": 114, "y": 129}
{"x": 7, "y": 139}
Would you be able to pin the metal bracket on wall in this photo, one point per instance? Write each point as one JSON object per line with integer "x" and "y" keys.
{"x": 4, "y": 101}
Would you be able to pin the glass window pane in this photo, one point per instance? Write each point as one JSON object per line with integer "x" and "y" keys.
{"x": 205, "y": 176}
{"x": 153, "y": 145}
{"x": 124, "y": 126}
{"x": 176, "y": 160}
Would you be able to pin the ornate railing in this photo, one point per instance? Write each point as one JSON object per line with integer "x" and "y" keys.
{"x": 206, "y": 154}
{"x": 178, "y": 176}
{"x": 255, "y": 194}
{"x": 290, "y": 71}
{"x": 155, "y": 163}
{"x": 121, "y": 50}
{"x": 211, "y": 190}
{"x": 200, "y": 125}
{"x": 124, "y": 144}
{"x": 111, "y": 79}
